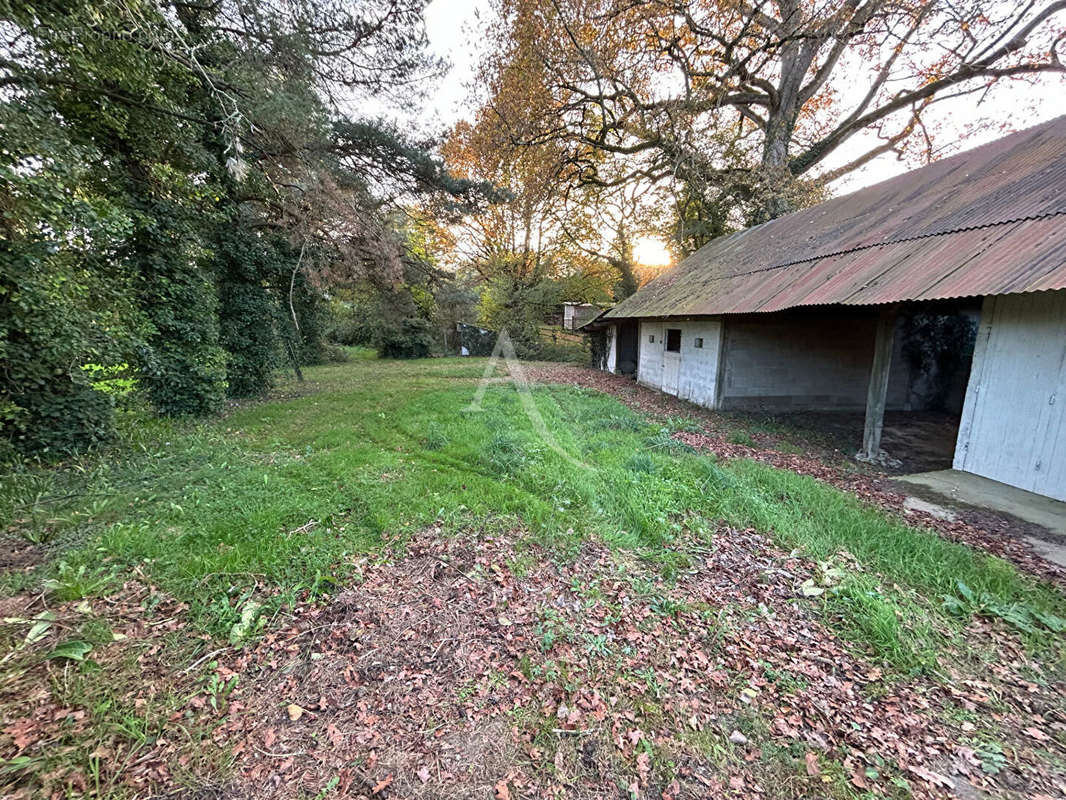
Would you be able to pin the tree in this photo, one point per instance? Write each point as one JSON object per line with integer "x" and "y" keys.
{"x": 749, "y": 100}
{"x": 161, "y": 157}
{"x": 58, "y": 235}
{"x": 605, "y": 221}
{"x": 528, "y": 248}
{"x": 540, "y": 242}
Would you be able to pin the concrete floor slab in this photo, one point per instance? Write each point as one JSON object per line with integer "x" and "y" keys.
{"x": 964, "y": 488}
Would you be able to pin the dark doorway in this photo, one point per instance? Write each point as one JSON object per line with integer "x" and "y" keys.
{"x": 628, "y": 347}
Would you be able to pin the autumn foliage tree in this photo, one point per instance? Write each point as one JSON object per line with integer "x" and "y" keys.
{"x": 519, "y": 246}
{"x": 546, "y": 238}
{"x": 745, "y": 103}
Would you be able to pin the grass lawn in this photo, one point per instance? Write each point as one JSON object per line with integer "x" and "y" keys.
{"x": 232, "y": 608}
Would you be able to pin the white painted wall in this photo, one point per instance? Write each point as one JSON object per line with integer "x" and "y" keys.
{"x": 612, "y": 347}
{"x": 1014, "y": 420}
{"x": 699, "y": 366}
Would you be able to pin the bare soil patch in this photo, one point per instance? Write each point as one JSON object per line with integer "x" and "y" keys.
{"x": 919, "y": 441}
{"x": 17, "y": 553}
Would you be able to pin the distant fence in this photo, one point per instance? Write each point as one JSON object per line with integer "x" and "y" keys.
{"x": 475, "y": 341}
{"x": 556, "y": 343}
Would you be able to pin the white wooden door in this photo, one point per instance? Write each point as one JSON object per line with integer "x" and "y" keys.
{"x": 671, "y": 372}
{"x": 671, "y": 359}
{"x": 650, "y": 360}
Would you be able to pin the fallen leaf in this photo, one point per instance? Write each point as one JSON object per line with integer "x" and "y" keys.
{"x": 20, "y": 733}
{"x": 643, "y": 767}
{"x": 1037, "y": 734}
{"x": 382, "y": 785}
{"x": 501, "y": 791}
{"x": 931, "y": 777}
{"x": 812, "y": 765}
{"x": 295, "y": 712}
{"x": 423, "y": 774}
{"x": 336, "y": 738}
{"x": 38, "y": 631}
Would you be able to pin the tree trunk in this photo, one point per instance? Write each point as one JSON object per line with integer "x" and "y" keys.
{"x": 776, "y": 176}
{"x": 628, "y": 285}
{"x": 294, "y": 358}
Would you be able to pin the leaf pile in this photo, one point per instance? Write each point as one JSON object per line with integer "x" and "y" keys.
{"x": 91, "y": 698}
{"x": 461, "y": 669}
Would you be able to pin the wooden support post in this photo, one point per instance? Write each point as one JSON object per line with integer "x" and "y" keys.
{"x": 878, "y": 390}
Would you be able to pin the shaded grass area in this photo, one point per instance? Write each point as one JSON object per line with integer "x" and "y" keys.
{"x": 277, "y": 497}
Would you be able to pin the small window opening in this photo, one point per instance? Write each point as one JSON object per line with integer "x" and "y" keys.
{"x": 673, "y": 340}
{"x": 699, "y": 341}
{"x": 651, "y": 339}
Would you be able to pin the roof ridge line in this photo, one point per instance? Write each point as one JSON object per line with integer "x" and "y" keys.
{"x": 860, "y": 248}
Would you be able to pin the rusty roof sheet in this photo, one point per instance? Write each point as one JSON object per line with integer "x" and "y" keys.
{"x": 988, "y": 221}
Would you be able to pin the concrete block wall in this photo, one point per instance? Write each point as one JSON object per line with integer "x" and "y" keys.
{"x": 774, "y": 363}
{"x": 698, "y": 380}
{"x": 801, "y": 363}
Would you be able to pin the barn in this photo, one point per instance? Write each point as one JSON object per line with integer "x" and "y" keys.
{"x": 942, "y": 288}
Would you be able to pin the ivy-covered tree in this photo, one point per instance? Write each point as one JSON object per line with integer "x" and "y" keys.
{"x": 59, "y": 232}
{"x": 180, "y": 191}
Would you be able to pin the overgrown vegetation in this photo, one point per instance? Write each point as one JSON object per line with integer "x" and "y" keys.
{"x": 179, "y": 194}
{"x": 365, "y": 455}
{"x": 281, "y": 503}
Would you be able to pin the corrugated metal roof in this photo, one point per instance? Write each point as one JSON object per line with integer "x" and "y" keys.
{"x": 988, "y": 221}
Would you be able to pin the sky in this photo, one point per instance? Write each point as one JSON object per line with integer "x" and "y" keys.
{"x": 453, "y": 27}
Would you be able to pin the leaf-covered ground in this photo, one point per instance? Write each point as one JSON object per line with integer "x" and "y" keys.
{"x": 460, "y": 666}
{"x": 364, "y": 589}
